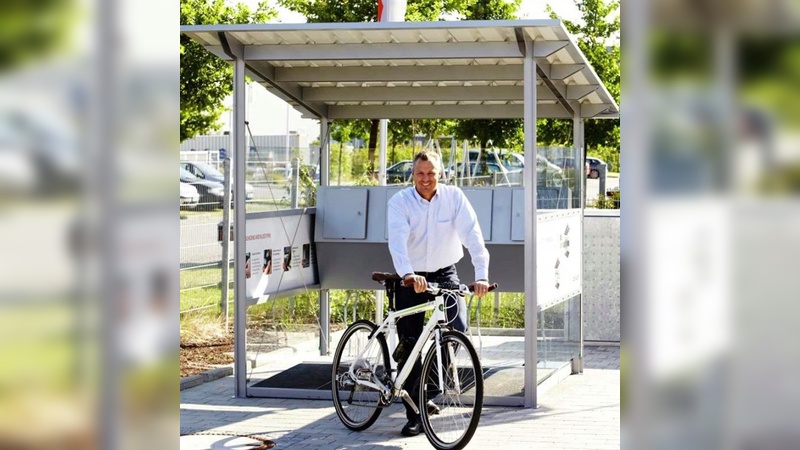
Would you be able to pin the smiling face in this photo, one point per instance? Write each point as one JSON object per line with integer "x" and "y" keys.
{"x": 426, "y": 178}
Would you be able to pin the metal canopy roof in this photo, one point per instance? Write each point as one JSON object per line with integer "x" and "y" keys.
{"x": 414, "y": 70}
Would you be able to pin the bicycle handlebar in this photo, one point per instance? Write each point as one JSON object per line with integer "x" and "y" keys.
{"x": 383, "y": 277}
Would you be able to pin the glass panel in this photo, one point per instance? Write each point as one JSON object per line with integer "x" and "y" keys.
{"x": 557, "y": 178}
{"x": 558, "y": 336}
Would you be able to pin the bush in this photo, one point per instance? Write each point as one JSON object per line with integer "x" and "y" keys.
{"x": 608, "y": 154}
{"x": 608, "y": 202}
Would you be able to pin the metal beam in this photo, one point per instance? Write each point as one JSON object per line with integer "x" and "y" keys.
{"x": 399, "y": 73}
{"x": 288, "y": 92}
{"x": 219, "y": 52}
{"x": 578, "y": 91}
{"x": 558, "y": 88}
{"x": 543, "y": 49}
{"x": 346, "y": 52}
{"x": 561, "y": 71}
{"x": 239, "y": 156}
{"x": 529, "y": 258}
{"x": 400, "y": 94}
{"x": 605, "y": 111}
{"x": 514, "y": 111}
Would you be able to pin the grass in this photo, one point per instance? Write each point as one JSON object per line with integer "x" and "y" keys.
{"x": 192, "y": 278}
{"x": 40, "y": 347}
{"x": 201, "y": 328}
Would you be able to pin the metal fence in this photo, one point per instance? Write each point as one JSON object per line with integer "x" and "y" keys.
{"x": 201, "y": 258}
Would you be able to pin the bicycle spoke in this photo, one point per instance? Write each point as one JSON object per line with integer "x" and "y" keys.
{"x": 355, "y": 362}
{"x": 461, "y": 400}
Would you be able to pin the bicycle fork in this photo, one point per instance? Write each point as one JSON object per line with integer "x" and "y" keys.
{"x": 446, "y": 366}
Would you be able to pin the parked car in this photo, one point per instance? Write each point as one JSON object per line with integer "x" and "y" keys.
{"x": 565, "y": 162}
{"x": 594, "y": 167}
{"x": 212, "y": 194}
{"x": 189, "y": 196}
{"x": 476, "y": 169}
{"x": 37, "y": 156}
{"x": 547, "y": 173}
{"x": 206, "y": 171}
{"x": 400, "y": 172}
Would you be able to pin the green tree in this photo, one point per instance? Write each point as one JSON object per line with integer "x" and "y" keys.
{"x": 205, "y": 79}
{"x": 492, "y": 9}
{"x": 504, "y": 133}
{"x": 599, "y": 24}
{"x": 32, "y": 30}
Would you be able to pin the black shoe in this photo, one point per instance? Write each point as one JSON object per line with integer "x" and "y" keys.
{"x": 412, "y": 428}
{"x": 432, "y": 408}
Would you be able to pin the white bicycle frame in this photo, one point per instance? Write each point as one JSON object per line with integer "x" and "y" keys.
{"x": 430, "y": 329}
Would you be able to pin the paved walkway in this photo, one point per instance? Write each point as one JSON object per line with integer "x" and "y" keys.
{"x": 581, "y": 412}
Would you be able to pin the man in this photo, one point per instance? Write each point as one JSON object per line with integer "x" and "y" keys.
{"x": 428, "y": 225}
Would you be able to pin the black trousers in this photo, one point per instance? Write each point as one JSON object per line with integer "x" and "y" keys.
{"x": 410, "y": 327}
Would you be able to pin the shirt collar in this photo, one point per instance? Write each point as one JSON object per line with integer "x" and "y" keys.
{"x": 422, "y": 200}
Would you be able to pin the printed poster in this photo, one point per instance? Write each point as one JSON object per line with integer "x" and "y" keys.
{"x": 280, "y": 255}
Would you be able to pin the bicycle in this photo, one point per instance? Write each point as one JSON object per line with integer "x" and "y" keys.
{"x": 365, "y": 378}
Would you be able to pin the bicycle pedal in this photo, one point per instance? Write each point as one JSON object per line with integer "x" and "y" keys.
{"x": 432, "y": 408}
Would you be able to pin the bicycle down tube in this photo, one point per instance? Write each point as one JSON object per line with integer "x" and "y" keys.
{"x": 427, "y": 331}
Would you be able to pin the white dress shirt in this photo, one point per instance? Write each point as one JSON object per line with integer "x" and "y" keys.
{"x": 427, "y": 236}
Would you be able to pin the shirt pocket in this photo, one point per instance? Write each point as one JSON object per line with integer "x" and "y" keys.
{"x": 444, "y": 216}
{"x": 444, "y": 225}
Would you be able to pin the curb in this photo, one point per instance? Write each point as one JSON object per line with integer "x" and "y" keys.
{"x": 205, "y": 377}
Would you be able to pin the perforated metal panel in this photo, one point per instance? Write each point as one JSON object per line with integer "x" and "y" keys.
{"x": 601, "y": 277}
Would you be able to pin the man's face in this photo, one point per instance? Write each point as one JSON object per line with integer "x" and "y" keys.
{"x": 426, "y": 177}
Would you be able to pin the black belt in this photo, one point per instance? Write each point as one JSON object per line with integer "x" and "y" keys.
{"x": 438, "y": 272}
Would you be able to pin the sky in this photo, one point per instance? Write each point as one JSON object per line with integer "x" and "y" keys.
{"x": 267, "y": 114}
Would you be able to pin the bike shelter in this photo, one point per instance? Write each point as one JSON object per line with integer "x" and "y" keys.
{"x": 526, "y": 69}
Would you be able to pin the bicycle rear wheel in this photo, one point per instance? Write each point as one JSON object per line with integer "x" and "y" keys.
{"x": 356, "y": 405}
{"x": 459, "y": 396}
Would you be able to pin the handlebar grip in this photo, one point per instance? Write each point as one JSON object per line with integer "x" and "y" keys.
{"x": 385, "y": 276}
{"x": 492, "y": 287}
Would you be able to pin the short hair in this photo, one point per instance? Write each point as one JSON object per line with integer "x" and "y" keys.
{"x": 433, "y": 157}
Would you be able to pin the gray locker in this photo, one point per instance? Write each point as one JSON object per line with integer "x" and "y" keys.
{"x": 390, "y": 191}
{"x": 481, "y": 201}
{"x": 518, "y": 215}
{"x": 345, "y": 214}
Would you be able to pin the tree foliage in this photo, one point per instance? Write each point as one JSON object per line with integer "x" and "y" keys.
{"x": 491, "y": 9}
{"x": 504, "y": 133}
{"x": 593, "y": 32}
{"x": 32, "y": 30}
{"x": 205, "y": 79}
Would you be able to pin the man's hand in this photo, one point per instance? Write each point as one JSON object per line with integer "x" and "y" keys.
{"x": 420, "y": 283}
{"x": 480, "y": 287}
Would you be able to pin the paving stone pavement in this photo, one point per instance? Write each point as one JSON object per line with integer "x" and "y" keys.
{"x": 581, "y": 412}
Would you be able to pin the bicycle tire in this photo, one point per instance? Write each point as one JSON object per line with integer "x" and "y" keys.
{"x": 460, "y": 405}
{"x": 357, "y": 406}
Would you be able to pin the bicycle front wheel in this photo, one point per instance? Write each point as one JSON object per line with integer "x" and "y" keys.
{"x": 458, "y": 394}
{"x": 358, "y": 406}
